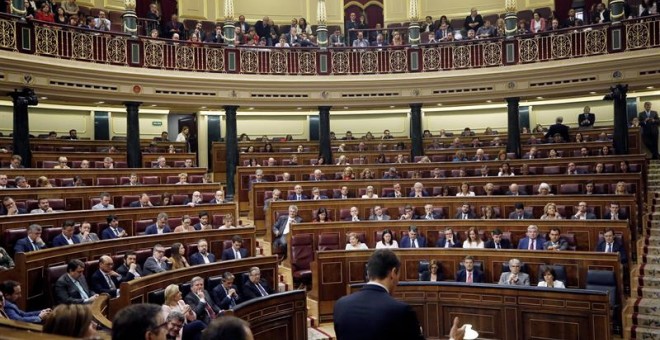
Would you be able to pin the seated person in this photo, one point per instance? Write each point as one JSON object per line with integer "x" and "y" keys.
{"x": 550, "y": 212}
{"x": 32, "y": 242}
{"x": 387, "y": 240}
{"x": 466, "y": 213}
{"x": 408, "y": 213}
{"x": 429, "y": 214}
{"x": 157, "y": 262}
{"x": 227, "y": 221}
{"x": 105, "y": 279}
{"x": 514, "y": 276}
{"x": 549, "y": 279}
{"x": 71, "y": 287}
{"x": 464, "y": 190}
{"x": 316, "y": 194}
{"x": 298, "y": 195}
{"x": 556, "y": 242}
{"x": 418, "y": 191}
{"x": 344, "y": 193}
{"x": 66, "y": 237}
{"x": 12, "y": 293}
{"x": 113, "y": 230}
{"x": 355, "y": 215}
{"x": 186, "y": 225}
{"x": 130, "y": 269}
{"x": 236, "y": 252}
{"x": 218, "y": 198}
{"x": 531, "y": 241}
{"x": 44, "y": 207}
{"x": 397, "y": 191}
{"x": 202, "y": 256}
{"x": 85, "y": 235}
{"x": 200, "y": 301}
{"x": 143, "y": 202}
{"x": 255, "y": 286}
{"x": 177, "y": 258}
{"x": 225, "y": 295}
{"x": 413, "y": 240}
{"x": 520, "y": 213}
{"x": 160, "y": 227}
{"x": 378, "y": 214}
{"x": 174, "y": 303}
{"x": 6, "y": 261}
{"x": 9, "y": 207}
{"x": 433, "y": 274}
{"x": 469, "y": 274}
{"x": 370, "y": 192}
{"x": 282, "y": 227}
{"x": 354, "y": 243}
{"x": 322, "y": 216}
{"x": 610, "y": 244}
{"x": 473, "y": 240}
{"x": 450, "y": 240}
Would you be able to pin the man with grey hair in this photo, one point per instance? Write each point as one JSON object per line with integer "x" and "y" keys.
{"x": 255, "y": 286}
{"x": 200, "y": 301}
{"x": 276, "y": 197}
{"x": 282, "y": 227}
{"x": 160, "y": 227}
{"x": 532, "y": 241}
{"x": 514, "y": 276}
{"x": 378, "y": 214}
{"x": 418, "y": 191}
{"x": 558, "y": 128}
{"x": 32, "y": 242}
{"x": 157, "y": 262}
{"x": 218, "y": 198}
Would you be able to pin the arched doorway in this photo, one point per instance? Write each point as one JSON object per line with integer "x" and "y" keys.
{"x": 372, "y": 10}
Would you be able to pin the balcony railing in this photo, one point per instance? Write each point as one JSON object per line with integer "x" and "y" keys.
{"x": 65, "y": 42}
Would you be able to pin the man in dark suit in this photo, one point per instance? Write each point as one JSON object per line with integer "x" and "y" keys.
{"x": 160, "y": 227}
{"x": 609, "y": 244}
{"x": 418, "y": 191}
{"x": 218, "y": 198}
{"x": 473, "y": 21}
{"x": 391, "y": 174}
{"x": 225, "y": 295}
{"x": 615, "y": 213}
{"x": 318, "y": 176}
{"x": 316, "y": 194}
{"x": 66, "y": 237}
{"x": 235, "y": 252}
{"x": 129, "y": 270}
{"x": 555, "y": 242}
{"x": 258, "y": 178}
{"x": 200, "y": 301}
{"x": 466, "y": 213}
{"x": 298, "y": 195}
{"x": 450, "y": 240}
{"x": 143, "y": 202}
{"x": 343, "y": 194}
{"x": 532, "y": 241}
{"x": 349, "y": 28}
{"x": 105, "y": 279}
{"x": 497, "y": 241}
{"x": 586, "y": 119}
{"x": 380, "y": 41}
{"x": 32, "y": 242}
{"x": 113, "y": 230}
{"x": 71, "y": 287}
{"x": 469, "y": 274}
{"x": 649, "y": 121}
{"x": 514, "y": 190}
{"x": 372, "y": 313}
{"x": 378, "y": 214}
{"x": 582, "y": 213}
{"x": 558, "y": 128}
{"x": 520, "y": 213}
{"x": 397, "y": 193}
{"x": 202, "y": 256}
{"x": 572, "y": 21}
{"x": 429, "y": 214}
{"x": 9, "y": 208}
{"x": 413, "y": 239}
{"x": 157, "y": 262}
{"x": 255, "y": 287}
{"x": 173, "y": 26}
{"x": 282, "y": 226}
{"x": 203, "y": 223}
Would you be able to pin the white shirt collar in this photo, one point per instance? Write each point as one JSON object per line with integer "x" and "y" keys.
{"x": 378, "y": 284}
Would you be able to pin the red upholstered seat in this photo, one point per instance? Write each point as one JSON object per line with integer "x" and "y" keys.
{"x": 106, "y": 181}
{"x": 302, "y": 255}
{"x": 329, "y": 241}
{"x": 52, "y": 274}
{"x": 141, "y": 226}
{"x": 150, "y": 180}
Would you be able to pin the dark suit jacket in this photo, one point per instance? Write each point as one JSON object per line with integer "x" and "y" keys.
{"x": 391, "y": 194}
{"x": 281, "y": 224}
{"x": 572, "y": 23}
{"x": 338, "y": 195}
{"x": 228, "y": 254}
{"x": 405, "y": 242}
{"x": 293, "y": 197}
{"x": 649, "y": 127}
{"x": 153, "y": 229}
{"x": 504, "y": 244}
{"x": 197, "y": 258}
{"x": 372, "y": 313}
{"x": 126, "y": 275}
{"x": 590, "y": 216}
{"x": 477, "y": 276}
{"x": 219, "y": 296}
{"x": 582, "y": 117}
{"x": 424, "y": 193}
{"x": 215, "y": 201}
{"x": 442, "y": 242}
{"x": 469, "y": 20}
{"x": 471, "y": 215}
{"x": 66, "y": 291}
{"x": 524, "y": 243}
{"x": 136, "y": 204}
{"x": 59, "y": 241}
{"x": 250, "y": 290}
{"x": 107, "y": 233}
{"x": 434, "y": 215}
{"x": 24, "y": 245}
{"x": 151, "y": 266}
{"x": 375, "y": 43}
{"x": 169, "y": 26}
{"x": 526, "y": 216}
{"x": 560, "y": 129}
{"x": 616, "y": 247}
{"x": 199, "y": 307}
{"x": 621, "y": 215}
{"x": 100, "y": 284}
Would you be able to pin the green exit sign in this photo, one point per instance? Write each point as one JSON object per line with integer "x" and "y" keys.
{"x": 157, "y": 123}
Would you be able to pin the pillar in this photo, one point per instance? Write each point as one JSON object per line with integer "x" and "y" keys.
{"x": 231, "y": 138}
{"x": 414, "y": 38}
{"x": 229, "y": 29}
{"x": 325, "y": 149}
{"x": 617, "y": 12}
{"x": 322, "y": 29}
{"x": 618, "y": 94}
{"x": 18, "y": 7}
{"x": 510, "y": 18}
{"x": 133, "y": 150}
{"x": 129, "y": 18}
{"x": 417, "y": 148}
{"x": 513, "y": 126}
{"x": 21, "y": 133}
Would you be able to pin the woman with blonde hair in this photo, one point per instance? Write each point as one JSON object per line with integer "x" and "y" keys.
{"x": 370, "y": 193}
{"x": 174, "y": 303}
{"x": 178, "y": 256}
{"x": 228, "y": 221}
{"x": 550, "y": 212}
{"x": 43, "y": 182}
{"x": 354, "y": 243}
{"x": 621, "y": 189}
{"x": 348, "y": 174}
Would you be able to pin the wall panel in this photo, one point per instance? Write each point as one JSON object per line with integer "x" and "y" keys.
{"x": 546, "y": 114}
{"x": 193, "y": 9}
{"x": 359, "y": 124}
{"x": 273, "y": 125}
{"x": 147, "y": 129}
{"x": 114, "y": 4}
{"x": 456, "y": 121}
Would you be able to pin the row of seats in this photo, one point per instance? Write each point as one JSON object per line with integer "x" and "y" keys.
{"x": 110, "y": 181}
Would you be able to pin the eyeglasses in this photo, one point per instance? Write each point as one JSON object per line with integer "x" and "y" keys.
{"x": 514, "y": 266}
{"x": 162, "y": 325}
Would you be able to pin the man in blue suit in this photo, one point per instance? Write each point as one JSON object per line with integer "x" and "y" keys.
{"x": 298, "y": 195}
{"x": 413, "y": 240}
{"x": 32, "y": 242}
{"x": 66, "y": 237}
{"x": 235, "y": 252}
{"x": 12, "y": 292}
{"x": 202, "y": 256}
{"x": 316, "y": 194}
{"x": 609, "y": 244}
{"x": 532, "y": 241}
{"x": 113, "y": 230}
{"x": 105, "y": 279}
{"x": 372, "y": 313}
{"x": 469, "y": 274}
{"x": 450, "y": 240}
{"x": 160, "y": 227}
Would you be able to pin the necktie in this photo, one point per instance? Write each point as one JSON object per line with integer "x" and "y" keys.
{"x": 261, "y": 289}
{"x": 609, "y": 248}
{"x": 34, "y": 246}
{"x": 110, "y": 283}
{"x": 531, "y": 244}
{"x": 210, "y": 311}
{"x": 614, "y": 217}
{"x": 464, "y": 216}
{"x": 448, "y": 244}
{"x": 299, "y": 198}
{"x": 469, "y": 277}
{"x": 497, "y": 246}
{"x": 520, "y": 217}
{"x": 114, "y": 230}
{"x": 83, "y": 294}
{"x": 237, "y": 255}
{"x": 206, "y": 258}
{"x": 355, "y": 219}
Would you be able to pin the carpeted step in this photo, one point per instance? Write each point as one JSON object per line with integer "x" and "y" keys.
{"x": 649, "y": 270}
{"x": 647, "y": 307}
{"x": 651, "y": 259}
{"x": 649, "y": 281}
{"x": 650, "y": 293}
{"x": 651, "y": 250}
{"x": 644, "y": 333}
{"x": 317, "y": 334}
{"x": 646, "y": 321}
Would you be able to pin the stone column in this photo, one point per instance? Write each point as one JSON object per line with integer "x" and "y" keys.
{"x": 618, "y": 94}
{"x": 617, "y": 12}
{"x": 322, "y": 29}
{"x": 21, "y": 132}
{"x": 129, "y": 18}
{"x": 417, "y": 148}
{"x": 513, "y": 126}
{"x": 231, "y": 139}
{"x": 414, "y": 38}
{"x": 133, "y": 149}
{"x": 325, "y": 149}
{"x": 510, "y": 18}
{"x": 229, "y": 29}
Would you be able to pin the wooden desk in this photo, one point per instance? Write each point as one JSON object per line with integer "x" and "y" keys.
{"x": 137, "y": 291}
{"x": 89, "y": 176}
{"x": 333, "y": 271}
{"x": 38, "y": 157}
{"x": 86, "y": 145}
{"x": 506, "y": 312}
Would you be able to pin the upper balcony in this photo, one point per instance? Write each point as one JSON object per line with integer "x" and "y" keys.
{"x": 552, "y": 63}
